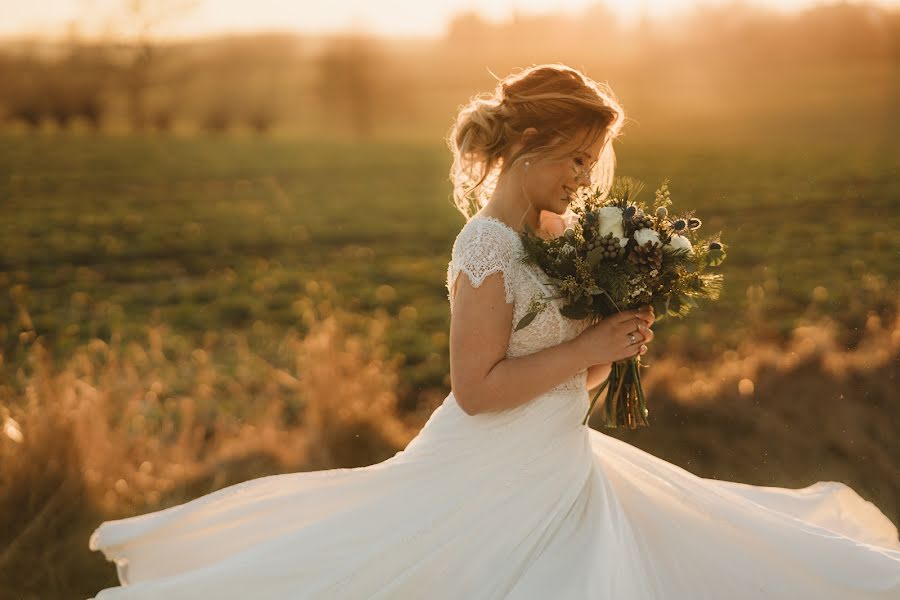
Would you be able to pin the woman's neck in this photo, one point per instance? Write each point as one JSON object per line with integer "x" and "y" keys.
{"x": 514, "y": 210}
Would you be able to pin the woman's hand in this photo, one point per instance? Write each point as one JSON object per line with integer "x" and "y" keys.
{"x": 618, "y": 337}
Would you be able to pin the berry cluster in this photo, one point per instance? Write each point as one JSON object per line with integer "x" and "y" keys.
{"x": 642, "y": 222}
{"x": 609, "y": 245}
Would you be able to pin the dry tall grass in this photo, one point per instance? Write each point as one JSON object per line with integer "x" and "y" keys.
{"x": 786, "y": 415}
{"x": 121, "y": 429}
{"x": 124, "y": 429}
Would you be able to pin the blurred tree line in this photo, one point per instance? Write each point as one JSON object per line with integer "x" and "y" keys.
{"x": 359, "y": 85}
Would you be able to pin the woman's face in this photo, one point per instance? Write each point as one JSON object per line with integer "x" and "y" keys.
{"x": 552, "y": 182}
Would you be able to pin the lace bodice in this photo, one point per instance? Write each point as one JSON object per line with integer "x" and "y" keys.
{"x": 486, "y": 245}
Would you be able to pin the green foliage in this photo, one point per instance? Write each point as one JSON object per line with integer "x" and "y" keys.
{"x": 119, "y": 232}
{"x": 587, "y": 262}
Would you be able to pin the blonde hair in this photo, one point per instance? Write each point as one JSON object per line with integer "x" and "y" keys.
{"x": 555, "y": 99}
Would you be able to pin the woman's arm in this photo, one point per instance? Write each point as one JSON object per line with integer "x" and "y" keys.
{"x": 597, "y": 374}
{"x": 482, "y": 378}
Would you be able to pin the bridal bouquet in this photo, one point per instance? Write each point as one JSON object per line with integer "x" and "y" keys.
{"x": 619, "y": 255}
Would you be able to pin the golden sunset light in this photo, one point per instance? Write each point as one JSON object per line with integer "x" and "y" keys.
{"x": 403, "y": 18}
{"x": 449, "y": 299}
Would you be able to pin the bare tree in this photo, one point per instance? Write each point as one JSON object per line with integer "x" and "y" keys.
{"x": 137, "y": 28}
{"x": 350, "y": 72}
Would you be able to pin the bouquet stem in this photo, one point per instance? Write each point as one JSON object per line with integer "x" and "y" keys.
{"x": 625, "y": 403}
{"x": 594, "y": 399}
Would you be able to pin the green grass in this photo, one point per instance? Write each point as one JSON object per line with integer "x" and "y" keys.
{"x": 110, "y": 233}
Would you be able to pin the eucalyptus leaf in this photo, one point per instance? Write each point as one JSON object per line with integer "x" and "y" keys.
{"x": 659, "y": 307}
{"x": 574, "y": 311}
{"x": 673, "y": 306}
{"x": 715, "y": 257}
{"x": 687, "y": 301}
{"x": 595, "y": 256}
{"x": 526, "y": 320}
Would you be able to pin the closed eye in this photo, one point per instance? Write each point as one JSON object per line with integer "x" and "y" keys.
{"x": 580, "y": 163}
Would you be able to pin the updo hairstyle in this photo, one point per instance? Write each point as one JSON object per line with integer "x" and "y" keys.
{"x": 558, "y": 101}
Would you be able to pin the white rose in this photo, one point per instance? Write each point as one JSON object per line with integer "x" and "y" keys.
{"x": 642, "y": 236}
{"x": 610, "y": 221}
{"x": 679, "y": 242}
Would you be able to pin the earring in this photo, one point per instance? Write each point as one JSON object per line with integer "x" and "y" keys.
{"x": 527, "y": 163}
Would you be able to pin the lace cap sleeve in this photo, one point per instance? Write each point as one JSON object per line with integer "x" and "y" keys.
{"x": 483, "y": 247}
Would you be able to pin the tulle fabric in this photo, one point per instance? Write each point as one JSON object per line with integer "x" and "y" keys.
{"x": 522, "y": 504}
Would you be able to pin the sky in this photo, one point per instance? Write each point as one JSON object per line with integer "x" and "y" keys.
{"x": 406, "y": 18}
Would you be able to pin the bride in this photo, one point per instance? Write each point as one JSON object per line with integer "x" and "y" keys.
{"x": 504, "y": 493}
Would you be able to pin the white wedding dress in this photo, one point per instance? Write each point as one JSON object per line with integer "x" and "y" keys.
{"x": 525, "y": 504}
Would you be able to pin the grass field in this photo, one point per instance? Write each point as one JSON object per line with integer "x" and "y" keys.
{"x": 183, "y": 290}
{"x": 103, "y": 234}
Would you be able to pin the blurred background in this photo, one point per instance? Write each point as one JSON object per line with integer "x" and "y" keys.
{"x": 225, "y": 233}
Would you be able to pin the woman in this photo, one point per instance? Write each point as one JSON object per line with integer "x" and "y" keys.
{"x": 503, "y": 493}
